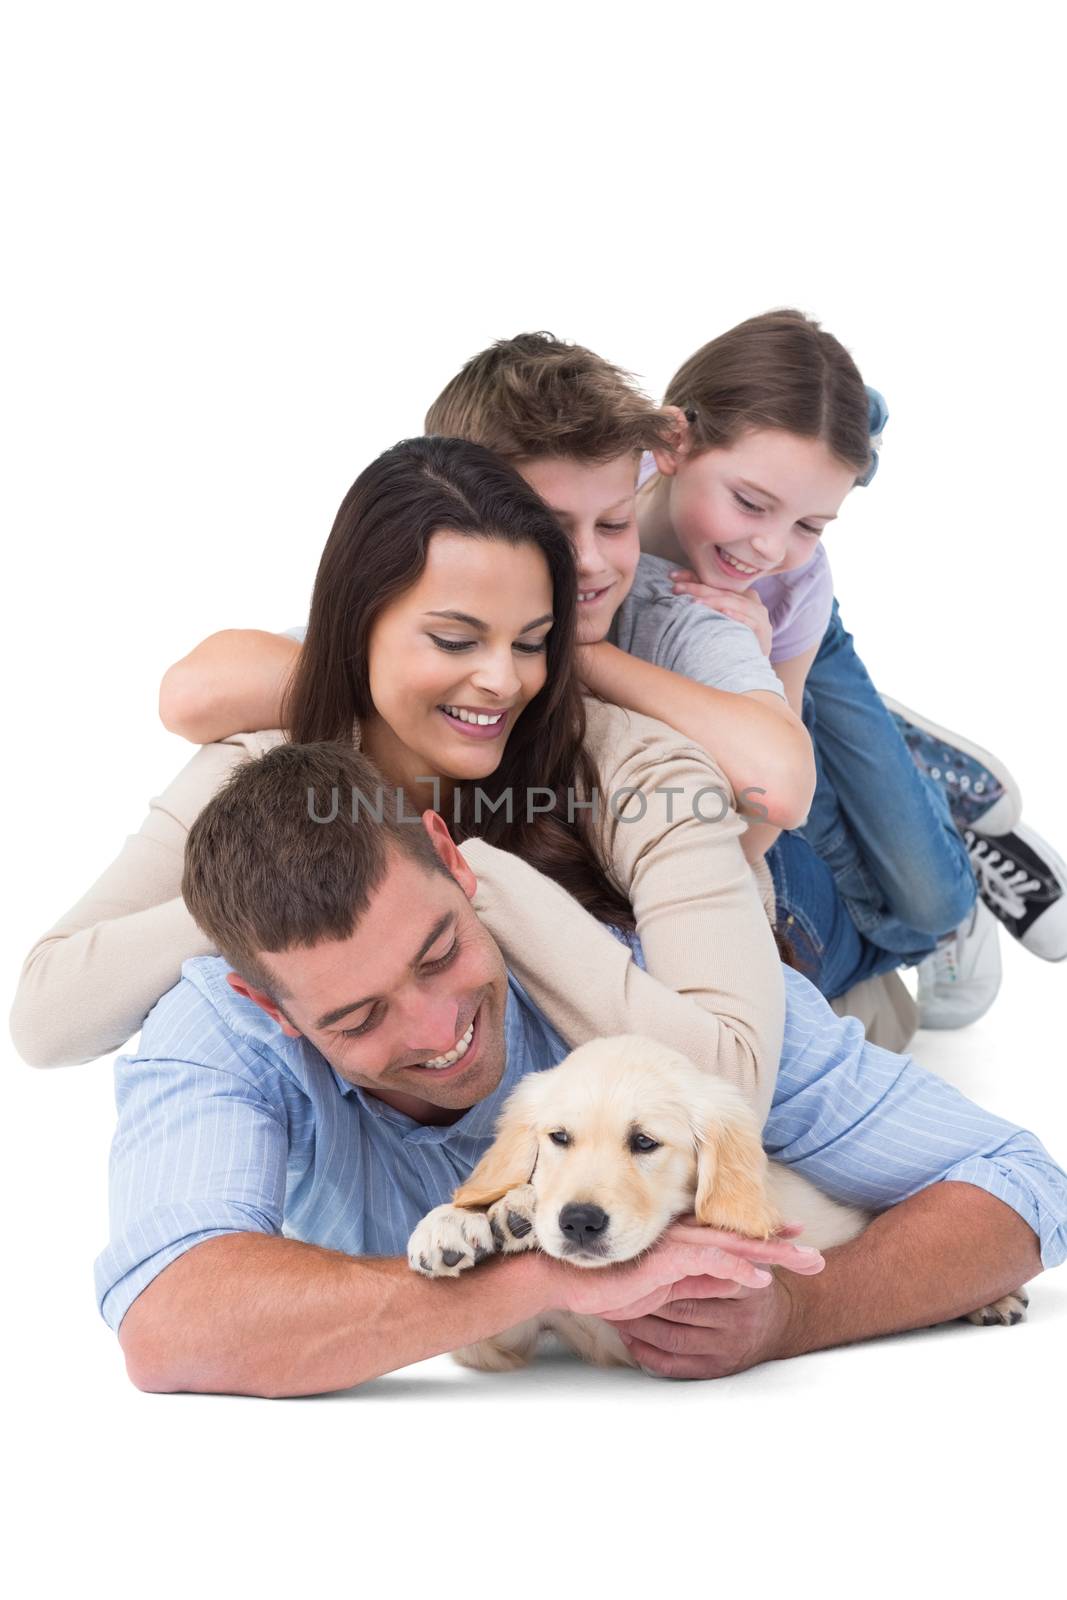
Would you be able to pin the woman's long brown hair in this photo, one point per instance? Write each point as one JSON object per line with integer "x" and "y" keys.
{"x": 376, "y": 551}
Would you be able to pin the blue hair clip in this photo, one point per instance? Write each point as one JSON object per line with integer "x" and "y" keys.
{"x": 877, "y": 417}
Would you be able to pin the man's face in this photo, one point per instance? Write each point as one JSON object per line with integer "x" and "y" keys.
{"x": 595, "y": 505}
{"x": 418, "y": 980}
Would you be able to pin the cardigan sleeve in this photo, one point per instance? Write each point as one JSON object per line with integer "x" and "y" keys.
{"x": 89, "y": 982}
{"x": 671, "y": 840}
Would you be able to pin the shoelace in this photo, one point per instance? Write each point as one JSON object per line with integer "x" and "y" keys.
{"x": 999, "y": 879}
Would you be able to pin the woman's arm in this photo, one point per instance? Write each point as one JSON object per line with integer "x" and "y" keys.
{"x": 232, "y": 682}
{"x": 758, "y": 741}
{"x": 714, "y": 987}
{"x": 90, "y": 981}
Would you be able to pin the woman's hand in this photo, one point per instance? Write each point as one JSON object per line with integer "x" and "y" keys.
{"x": 744, "y": 606}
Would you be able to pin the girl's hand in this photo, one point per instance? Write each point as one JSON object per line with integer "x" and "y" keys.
{"x": 744, "y": 606}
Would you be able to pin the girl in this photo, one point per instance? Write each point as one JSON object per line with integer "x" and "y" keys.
{"x": 774, "y": 427}
{"x": 442, "y": 637}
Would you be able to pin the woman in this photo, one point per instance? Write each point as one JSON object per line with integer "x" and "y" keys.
{"x": 447, "y": 590}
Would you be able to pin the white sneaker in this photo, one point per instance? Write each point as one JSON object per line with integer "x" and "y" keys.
{"x": 958, "y": 981}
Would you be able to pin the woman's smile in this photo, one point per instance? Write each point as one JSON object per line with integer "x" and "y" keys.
{"x": 482, "y": 607}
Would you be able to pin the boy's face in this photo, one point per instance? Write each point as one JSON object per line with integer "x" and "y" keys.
{"x": 595, "y": 505}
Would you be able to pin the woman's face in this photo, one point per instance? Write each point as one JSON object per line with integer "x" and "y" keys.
{"x": 456, "y": 658}
{"x": 756, "y": 507}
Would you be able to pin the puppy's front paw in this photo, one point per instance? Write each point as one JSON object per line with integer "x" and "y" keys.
{"x": 512, "y": 1221}
{"x": 1007, "y": 1311}
{"x": 448, "y": 1240}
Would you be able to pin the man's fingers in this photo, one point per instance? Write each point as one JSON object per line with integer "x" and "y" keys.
{"x": 688, "y": 1290}
{"x": 714, "y": 1261}
{"x": 778, "y": 1251}
{"x": 664, "y": 1365}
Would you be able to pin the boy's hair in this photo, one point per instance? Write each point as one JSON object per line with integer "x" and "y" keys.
{"x": 779, "y": 370}
{"x": 536, "y": 395}
{"x": 262, "y": 874}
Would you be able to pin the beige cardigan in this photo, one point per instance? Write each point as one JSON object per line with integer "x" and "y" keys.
{"x": 713, "y": 988}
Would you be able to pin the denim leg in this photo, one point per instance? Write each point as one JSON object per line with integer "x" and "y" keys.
{"x": 881, "y": 826}
{"x": 830, "y": 950}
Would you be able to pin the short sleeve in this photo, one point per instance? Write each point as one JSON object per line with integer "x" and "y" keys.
{"x": 716, "y": 651}
{"x": 799, "y": 605}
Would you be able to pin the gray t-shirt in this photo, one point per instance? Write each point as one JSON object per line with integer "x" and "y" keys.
{"x": 672, "y": 631}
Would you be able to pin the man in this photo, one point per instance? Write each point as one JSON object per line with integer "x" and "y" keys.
{"x": 342, "y": 1074}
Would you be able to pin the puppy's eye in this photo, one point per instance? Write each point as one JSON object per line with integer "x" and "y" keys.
{"x": 560, "y": 1136}
{"x": 641, "y": 1144}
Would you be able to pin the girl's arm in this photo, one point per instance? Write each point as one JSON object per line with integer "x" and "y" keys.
{"x": 714, "y": 987}
{"x": 232, "y": 682}
{"x": 758, "y": 741}
{"x": 89, "y": 982}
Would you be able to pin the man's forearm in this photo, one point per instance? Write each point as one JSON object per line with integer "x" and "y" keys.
{"x": 251, "y": 1313}
{"x": 947, "y": 1251}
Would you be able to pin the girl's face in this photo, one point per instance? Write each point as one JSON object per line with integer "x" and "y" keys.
{"x": 755, "y": 507}
{"x": 466, "y": 643}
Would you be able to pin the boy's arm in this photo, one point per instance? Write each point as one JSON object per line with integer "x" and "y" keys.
{"x": 759, "y": 743}
{"x": 233, "y": 682}
{"x": 794, "y": 675}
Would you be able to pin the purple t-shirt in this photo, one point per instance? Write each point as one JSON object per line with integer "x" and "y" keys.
{"x": 798, "y": 602}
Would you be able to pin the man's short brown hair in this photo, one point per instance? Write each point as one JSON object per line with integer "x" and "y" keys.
{"x": 262, "y": 874}
{"x": 536, "y": 395}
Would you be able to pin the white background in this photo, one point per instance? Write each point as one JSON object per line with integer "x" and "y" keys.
{"x": 245, "y": 247}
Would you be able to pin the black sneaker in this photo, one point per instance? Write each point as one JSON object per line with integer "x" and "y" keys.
{"x": 1023, "y": 882}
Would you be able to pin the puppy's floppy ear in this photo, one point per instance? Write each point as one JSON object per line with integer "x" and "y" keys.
{"x": 732, "y": 1173}
{"x": 507, "y": 1163}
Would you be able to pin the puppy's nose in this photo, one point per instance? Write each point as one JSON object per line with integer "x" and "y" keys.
{"x": 582, "y": 1224}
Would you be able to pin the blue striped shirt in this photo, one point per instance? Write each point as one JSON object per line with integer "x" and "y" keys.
{"x": 228, "y": 1126}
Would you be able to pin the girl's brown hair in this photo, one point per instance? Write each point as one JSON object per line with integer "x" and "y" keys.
{"x": 376, "y": 551}
{"x": 778, "y": 370}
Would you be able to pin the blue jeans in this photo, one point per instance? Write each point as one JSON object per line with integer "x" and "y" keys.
{"x": 893, "y": 864}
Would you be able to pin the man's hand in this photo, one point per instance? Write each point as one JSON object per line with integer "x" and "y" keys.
{"x": 708, "y": 1262}
{"x": 743, "y": 606}
{"x": 710, "y": 1325}
{"x": 710, "y": 1330}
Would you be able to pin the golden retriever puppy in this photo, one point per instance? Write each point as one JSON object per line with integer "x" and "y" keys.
{"x": 593, "y": 1159}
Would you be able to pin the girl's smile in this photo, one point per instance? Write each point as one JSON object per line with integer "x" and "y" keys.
{"x": 755, "y": 507}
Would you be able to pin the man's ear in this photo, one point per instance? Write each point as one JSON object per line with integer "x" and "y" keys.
{"x": 669, "y": 457}
{"x": 260, "y": 998}
{"x": 450, "y": 852}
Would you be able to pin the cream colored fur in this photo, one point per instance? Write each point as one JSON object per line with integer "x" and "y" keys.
{"x": 605, "y": 1100}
